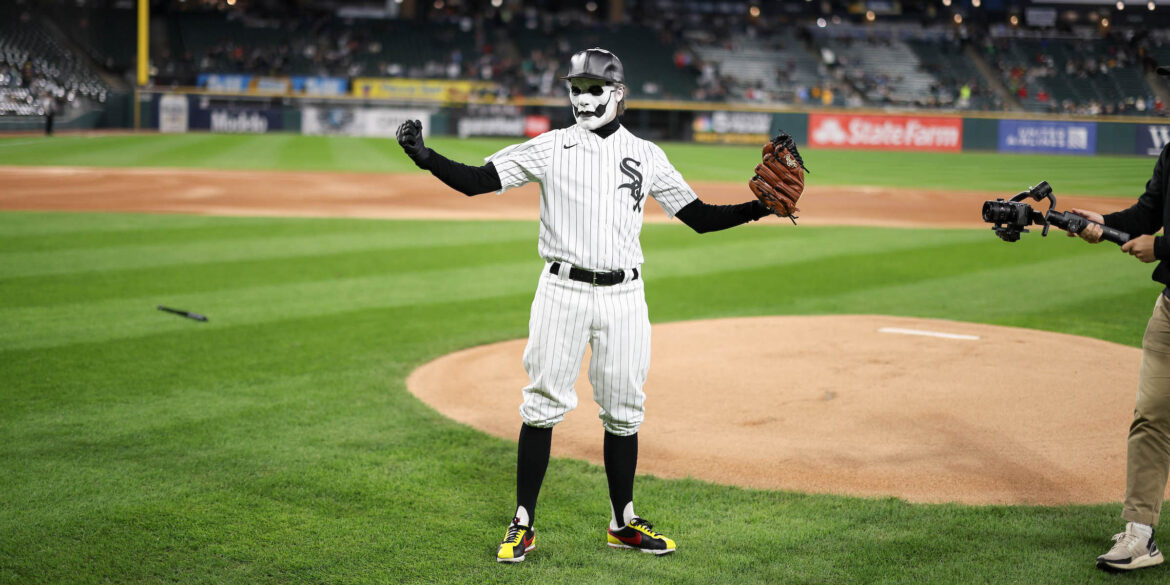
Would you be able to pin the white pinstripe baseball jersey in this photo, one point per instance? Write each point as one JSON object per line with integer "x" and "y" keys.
{"x": 592, "y": 192}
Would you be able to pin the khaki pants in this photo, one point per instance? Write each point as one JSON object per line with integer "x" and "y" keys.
{"x": 1148, "y": 453}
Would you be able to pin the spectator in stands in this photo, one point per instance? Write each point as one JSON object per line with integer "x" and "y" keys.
{"x": 49, "y": 106}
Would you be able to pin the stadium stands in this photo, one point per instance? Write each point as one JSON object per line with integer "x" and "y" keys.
{"x": 719, "y": 56}
{"x": 33, "y": 64}
{"x": 1063, "y": 74}
{"x": 758, "y": 69}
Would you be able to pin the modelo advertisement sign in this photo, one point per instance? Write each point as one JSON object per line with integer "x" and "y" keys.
{"x": 885, "y": 132}
{"x": 732, "y": 127}
{"x": 236, "y": 120}
{"x": 1151, "y": 139}
{"x": 1040, "y": 136}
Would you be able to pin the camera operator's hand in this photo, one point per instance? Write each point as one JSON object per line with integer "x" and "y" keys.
{"x": 1141, "y": 247}
{"x": 1092, "y": 232}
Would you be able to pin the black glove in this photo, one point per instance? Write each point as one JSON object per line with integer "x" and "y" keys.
{"x": 411, "y": 140}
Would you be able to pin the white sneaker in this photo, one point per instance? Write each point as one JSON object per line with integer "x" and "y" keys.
{"x": 1132, "y": 551}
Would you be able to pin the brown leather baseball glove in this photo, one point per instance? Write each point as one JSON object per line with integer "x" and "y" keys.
{"x": 779, "y": 179}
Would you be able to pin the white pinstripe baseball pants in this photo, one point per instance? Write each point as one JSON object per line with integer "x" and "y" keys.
{"x": 613, "y": 320}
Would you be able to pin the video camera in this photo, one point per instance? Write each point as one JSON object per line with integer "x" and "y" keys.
{"x": 1011, "y": 217}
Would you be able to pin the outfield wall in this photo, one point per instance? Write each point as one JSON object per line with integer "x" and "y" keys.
{"x": 183, "y": 111}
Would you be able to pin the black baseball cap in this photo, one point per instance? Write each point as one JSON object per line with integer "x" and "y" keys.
{"x": 596, "y": 63}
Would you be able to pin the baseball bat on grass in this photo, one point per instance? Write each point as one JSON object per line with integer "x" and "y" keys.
{"x": 187, "y": 314}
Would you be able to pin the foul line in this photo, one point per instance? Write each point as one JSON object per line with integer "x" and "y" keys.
{"x": 927, "y": 333}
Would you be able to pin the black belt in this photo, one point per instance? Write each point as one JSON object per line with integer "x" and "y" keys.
{"x": 594, "y": 278}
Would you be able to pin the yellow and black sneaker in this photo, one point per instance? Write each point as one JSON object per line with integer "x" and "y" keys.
{"x": 640, "y": 535}
{"x": 517, "y": 542}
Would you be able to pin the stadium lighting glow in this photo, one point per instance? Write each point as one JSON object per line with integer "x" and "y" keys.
{"x": 958, "y": 19}
{"x": 870, "y": 16}
{"x": 821, "y": 23}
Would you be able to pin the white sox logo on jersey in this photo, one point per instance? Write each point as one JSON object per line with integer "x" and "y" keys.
{"x": 635, "y": 184}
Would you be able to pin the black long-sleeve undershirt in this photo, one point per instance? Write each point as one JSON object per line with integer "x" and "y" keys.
{"x": 704, "y": 217}
{"x": 465, "y": 179}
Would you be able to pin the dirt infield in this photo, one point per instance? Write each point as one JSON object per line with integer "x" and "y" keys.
{"x": 927, "y": 410}
{"x": 317, "y": 194}
{"x": 855, "y": 410}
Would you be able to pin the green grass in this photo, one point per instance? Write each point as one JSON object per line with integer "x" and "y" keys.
{"x": 1111, "y": 176}
{"x": 277, "y": 444}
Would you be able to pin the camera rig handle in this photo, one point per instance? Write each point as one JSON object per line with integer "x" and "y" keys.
{"x": 1073, "y": 224}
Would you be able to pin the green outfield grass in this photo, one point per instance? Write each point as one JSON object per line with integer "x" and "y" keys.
{"x": 1103, "y": 175}
{"x": 277, "y": 444}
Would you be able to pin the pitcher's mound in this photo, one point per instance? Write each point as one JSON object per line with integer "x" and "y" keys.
{"x": 926, "y": 410}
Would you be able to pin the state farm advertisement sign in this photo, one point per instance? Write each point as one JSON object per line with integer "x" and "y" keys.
{"x": 885, "y": 132}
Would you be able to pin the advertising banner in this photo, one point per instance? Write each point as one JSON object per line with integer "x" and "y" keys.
{"x": 536, "y": 125}
{"x": 349, "y": 121}
{"x": 320, "y": 85}
{"x": 1047, "y": 137}
{"x": 236, "y": 120}
{"x": 172, "y": 113}
{"x": 1151, "y": 139}
{"x": 228, "y": 82}
{"x": 270, "y": 84}
{"x": 885, "y": 132}
{"x": 529, "y": 126}
{"x": 422, "y": 90}
{"x": 224, "y": 82}
{"x": 733, "y": 127}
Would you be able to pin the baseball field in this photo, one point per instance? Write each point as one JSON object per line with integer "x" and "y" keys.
{"x": 277, "y": 442}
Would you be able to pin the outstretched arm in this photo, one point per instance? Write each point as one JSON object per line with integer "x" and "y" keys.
{"x": 703, "y": 217}
{"x": 466, "y": 179}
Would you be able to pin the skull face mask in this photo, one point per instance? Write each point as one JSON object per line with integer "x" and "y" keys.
{"x": 595, "y": 102}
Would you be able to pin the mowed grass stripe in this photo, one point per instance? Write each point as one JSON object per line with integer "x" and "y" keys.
{"x": 246, "y": 151}
{"x": 242, "y": 255}
{"x": 39, "y": 230}
{"x": 185, "y": 279}
{"x": 194, "y": 151}
{"x": 398, "y": 236}
{"x": 171, "y": 229}
{"x": 133, "y": 316}
{"x": 307, "y": 152}
{"x": 82, "y": 150}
